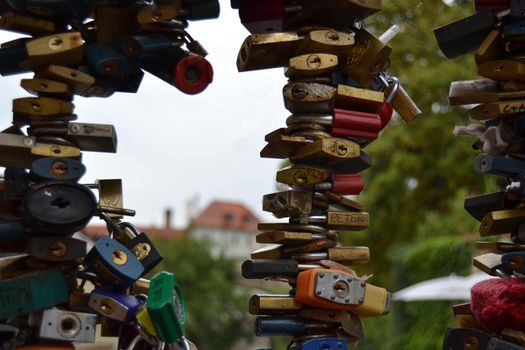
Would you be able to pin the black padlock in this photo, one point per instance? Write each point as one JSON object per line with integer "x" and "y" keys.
{"x": 142, "y": 247}
{"x": 16, "y": 182}
{"x": 58, "y": 208}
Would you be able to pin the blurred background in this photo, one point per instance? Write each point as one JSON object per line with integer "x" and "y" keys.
{"x": 191, "y": 169}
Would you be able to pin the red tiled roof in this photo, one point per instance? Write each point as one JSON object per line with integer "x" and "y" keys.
{"x": 163, "y": 232}
{"x": 227, "y": 215}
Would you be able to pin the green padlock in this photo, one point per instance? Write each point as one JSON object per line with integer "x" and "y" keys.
{"x": 32, "y": 292}
{"x": 166, "y": 307}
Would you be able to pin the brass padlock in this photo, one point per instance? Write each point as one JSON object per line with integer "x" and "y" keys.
{"x": 78, "y": 81}
{"x": 59, "y": 49}
{"x": 498, "y": 110}
{"x": 326, "y": 41}
{"x": 503, "y": 70}
{"x": 491, "y": 48}
{"x": 268, "y": 304}
{"x": 311, "y": 65}
{"x": 262, "y": 51}
{"x": 19, "y": 23}
{"x": 502, "y": 221}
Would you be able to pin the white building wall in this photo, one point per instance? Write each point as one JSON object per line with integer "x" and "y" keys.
{"x": 231, "y": 243}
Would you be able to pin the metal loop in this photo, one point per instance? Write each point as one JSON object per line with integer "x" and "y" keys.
{"x": 324, "y": 120}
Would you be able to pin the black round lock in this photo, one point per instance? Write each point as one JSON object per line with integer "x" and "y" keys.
{"x": 59, "y": 207}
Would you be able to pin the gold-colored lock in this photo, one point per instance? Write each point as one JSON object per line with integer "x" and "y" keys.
{"x": 78, "y": 81}
{"x": 115, "y": 21}
{"x": 502, "y": 221}
{"x": 262, "y": 51}
{"x": 488, "y": 263}
{"x": 302, "y": 175}
{"x": 326, "y": 41}
{"x": 42, "y": 107}
{"x": 110, "y": 195}
{"x": 367, "y": 58}
{"x": 304, "y": 97}
{"x": 44, "y": 87}
{"x": 268, "y": 304}
{"x": 491, "y": 48}
{"x": 356, "y": 99}
{"x": 288, "y": 203}
{"x": 15, "y": 22}
{"x": 342, "y": 203}
{"x": 404, "y": 105}
{"x": 271, "y": 252}
{"x": 500, "y": 247}
{"x": 479, "y": 91}
{"x": 59, "y": 49}
{"x": 347, "y": 220}
{"x": 377, "y": 302}
{"x": 350, "y": 255}
{"x": 503, "y": 70}
{"x": 285, "y": 237}
{"x": 282, "y": 146}
{"x": 498, "y": 110}
{"x": 311, "y": 65}
{"x": 327, "y": 151}
{"x": 141, "y": 250}
{"x": 140, "y": 286}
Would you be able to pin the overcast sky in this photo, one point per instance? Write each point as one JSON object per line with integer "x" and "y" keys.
{"x": 173, "y": 146}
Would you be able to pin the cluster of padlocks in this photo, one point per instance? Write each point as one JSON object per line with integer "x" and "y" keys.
{"x": 340, "y": 97}
{"x": 53, "y": 291}
{"x": 492, "y": 320}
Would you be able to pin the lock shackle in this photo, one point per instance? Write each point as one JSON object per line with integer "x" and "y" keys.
{"x": 110, "y": 224}
{"x": 134, "y": 342}
{"x": 129, "y": 225}
{"x": 321, "y": 119}
{"x": 388, "y": 82}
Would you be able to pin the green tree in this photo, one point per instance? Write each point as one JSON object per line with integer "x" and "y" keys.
{"x": 216, "y": 307}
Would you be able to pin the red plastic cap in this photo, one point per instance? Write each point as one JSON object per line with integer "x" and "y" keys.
{"x": 347, "y": 184}
{"x": 193, "y": 74}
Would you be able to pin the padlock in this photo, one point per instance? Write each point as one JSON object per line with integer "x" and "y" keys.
{"x": 340, "y": 220}
{"x": 358, "y": 125}
{"x": 280, "y": 145}
{"x": 466, "y": 35}
{"x": 114, "y": 263}
{"x": 67, "y": 326}
{"x": 93, "y": 137}
{"x": 498, "y": 344}
{"x": 307, "y": 97}
{"x": 290, "y": 326}
{"x": 104, "y": 60}
{"x": 343, "y": 184}
{"x": 63, "y": 169}
{"x": 342, "y": 255}
{"x": 269, "y": 50}
{"x": 311, "y": 65}
{"x": 47, "y": 346}
{"x": 514, "y": 31}
{"x": 326, "y": 41}
{"x": 143, "y": 45}
{"x": 265, "y": 268}
{"x": 500, "y": 247}
{"x": 478, "y": 91}
{"x": 327, "y": 151}
{"x": 115, "y": 21}
{"x": 32, "y": 292}
{"x": 51, "y": 248}
{"x": 492, "y": 48}
{"x": 490, "y": 263}
{"x": 189, "y": 73}
{"x": 281, "y": 251}
{"x": 152, "y": 13}
{"x": 514, "y": 336}
{"x": 7, "y": 259}
{"x": 42, "y": 107}
{"x": 46, "y": 88}
{"x": 142, "y": 247}
{"x": 336, "y": 290}
{"x": 502, "y": 221}
{"x": 79, "y": 82}
{"x": 363, "y": 100}
{"x": 57, "y": 10}
{"x": 302, "y": 175}
{"x": 166, "y": 307}
{"x": 58, "y": 208}
{"x": 288, "y": 203}
{"x": 120, "y": 307}
{"x": 327, "y": 343}
{"x": 19, "y": 23}
{"x": 503, "y": 70}
{"x": 290, "y": 237}
{"x": 498, "y": 165}
{"x": 367, "y": 58}
{"x": 341, "y": 202}
{"x": 16, "y": 182}
{"x": 503, "y": 109}
{"x": 12, "y": 231}
{"x": 480, "y": 206}
{"x": 269, "y": 304}
{"x": 60, "y": 49}
{"x": 464, "y": 338}
{"x": 110, "y": 195}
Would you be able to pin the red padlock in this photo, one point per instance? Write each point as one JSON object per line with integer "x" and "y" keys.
{"x": 480, "y": 5}
{"x": 263, "y": 16}
{"x": 356, "y": 124}
{"x": 387, "y": 110}
{"x": 347, "y": 184}
{"x": 193, "y": 74}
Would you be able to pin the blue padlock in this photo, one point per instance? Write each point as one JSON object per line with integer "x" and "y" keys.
{"x": 63, "y": 169}
{"x": 120, "y": 307}
{"x": 12, "y": 231}
{"x": 114, "y": 263}
{"x": 106, "y": 61}
{"x": 324, "y": 344}
{"x": 498, "y": 165}
{"x": 271, "y": 326}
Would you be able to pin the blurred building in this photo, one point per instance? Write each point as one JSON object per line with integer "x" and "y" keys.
{"x": 230, "y": 228}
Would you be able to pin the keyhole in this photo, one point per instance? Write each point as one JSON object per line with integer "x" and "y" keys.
{"x": 60, "y": 202}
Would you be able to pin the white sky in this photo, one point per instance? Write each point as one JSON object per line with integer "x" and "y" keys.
{"x": 173, "y": 146}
